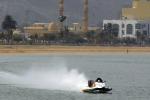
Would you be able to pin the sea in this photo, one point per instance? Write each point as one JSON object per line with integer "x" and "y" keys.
{"x": 63, "y": 76}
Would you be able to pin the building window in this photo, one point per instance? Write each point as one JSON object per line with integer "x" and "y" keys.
{"x": 115, "y": 29}
{"x": 123, "y": 25}
{"x": 143, "y": 25}
{"x": 75, "y": 28}
{"x": 145, "y": 32}
{"x": 138, "y": 26}
{"x": 138, "y": 33}
{"x": 129, "y": 29}
{"x": 105, "y": 26}
{"x": 122, "y": 32}
{"x": 108, "y": 27}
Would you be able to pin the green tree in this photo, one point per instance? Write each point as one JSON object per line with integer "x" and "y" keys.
{"x": 9, "y": 24}
{"x": 91, "y": 36}
{"x": 34, "y": 38}
{"x": 17, "y": 37}
{"x": 2, "y": 36}
{"x": 141, "y": 38}
{"x": 49, "y": 37}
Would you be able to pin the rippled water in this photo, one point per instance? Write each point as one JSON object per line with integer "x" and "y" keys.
{"x": 36, "y": 77}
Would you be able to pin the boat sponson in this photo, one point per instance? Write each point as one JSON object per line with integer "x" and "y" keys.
{"x": 97, "y": 90}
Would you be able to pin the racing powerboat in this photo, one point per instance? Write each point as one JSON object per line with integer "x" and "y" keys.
{"x": 94, "y": 90}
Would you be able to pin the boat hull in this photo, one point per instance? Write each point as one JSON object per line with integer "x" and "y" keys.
{"x": 97, "y": 90}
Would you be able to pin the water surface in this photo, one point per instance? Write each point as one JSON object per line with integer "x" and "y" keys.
{"x": 127, "y": 74}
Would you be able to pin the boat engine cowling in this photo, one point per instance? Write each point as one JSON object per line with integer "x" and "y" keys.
{"x": 90, "y": 83}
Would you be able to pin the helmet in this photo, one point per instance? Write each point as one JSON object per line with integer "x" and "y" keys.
{"x": 98, "y": 80}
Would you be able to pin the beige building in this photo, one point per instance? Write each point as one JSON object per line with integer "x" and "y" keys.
{"x": 42, "y": 28}
{"x": 78, "y": 28}
{"x": 140, "y": 10}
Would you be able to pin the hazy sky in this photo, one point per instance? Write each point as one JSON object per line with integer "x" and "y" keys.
{"x": 47, "y": 10}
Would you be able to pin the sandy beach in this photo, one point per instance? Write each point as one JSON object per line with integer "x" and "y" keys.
{"x": 12, "y": 49}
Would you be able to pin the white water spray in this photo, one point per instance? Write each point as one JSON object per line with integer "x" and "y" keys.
{"x": 56, "y": 78}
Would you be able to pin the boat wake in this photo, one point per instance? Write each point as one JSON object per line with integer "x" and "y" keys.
{"x": 57, "y": 78}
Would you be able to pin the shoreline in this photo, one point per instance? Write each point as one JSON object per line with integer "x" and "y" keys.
{"x": 41, "y": 49}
